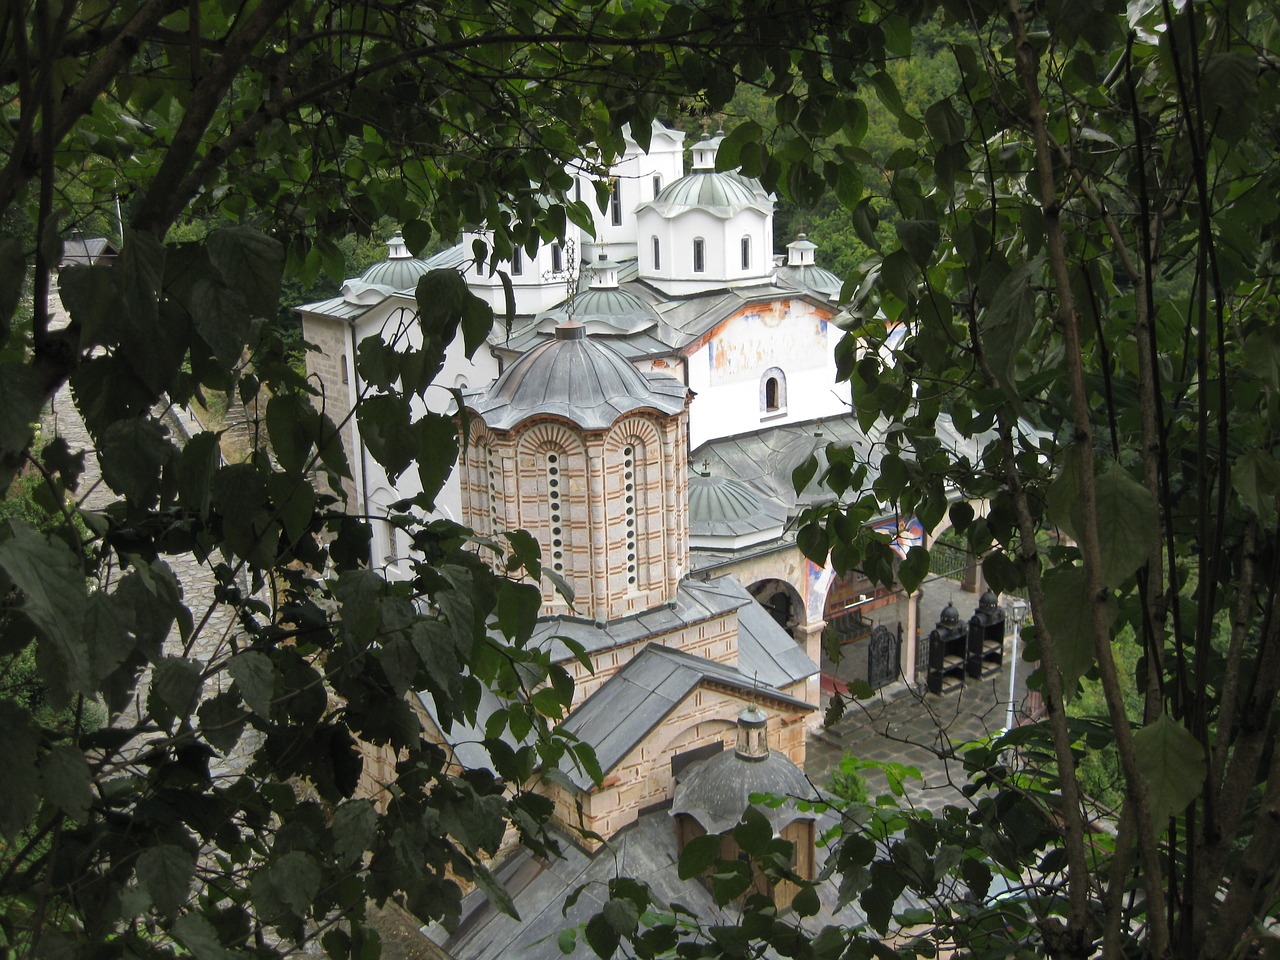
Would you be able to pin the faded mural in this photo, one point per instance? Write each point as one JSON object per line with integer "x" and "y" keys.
{"x": 749, "y": 341}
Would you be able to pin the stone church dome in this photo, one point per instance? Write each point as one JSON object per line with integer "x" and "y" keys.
{"x": 718, "y": 790}
{"x": 579, "y": 379}
{"x": 724, "y": 507}
{"x": 400, "y": 271}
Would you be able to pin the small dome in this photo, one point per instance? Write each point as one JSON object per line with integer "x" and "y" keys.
{"x": 607, "y": 310}
{"x": 987, "y": 602}
{"x": 718, "y": 790}
{"x": 400, "y": 271}
{"x": 723, "y": 193}
{"x": 579, "y": 379}
{"x": 722, "y": 506}
{"x": 950, "y": 615}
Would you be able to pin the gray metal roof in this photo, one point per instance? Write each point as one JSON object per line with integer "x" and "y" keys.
{"x": 810, "y": 278}
{"x": 607, "y": 310}
{"x": 636, "y": 699}
{"x": 717, "y": 791}
{"x": 682, "y": 320}
{"x": 724, "y": 507}
{"x": 577, "y": 378}
{"x": 647, "y": 851}
{"x": 722, "y": 195}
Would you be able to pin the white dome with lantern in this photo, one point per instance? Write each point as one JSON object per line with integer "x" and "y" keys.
{"x": 709, "y": 228}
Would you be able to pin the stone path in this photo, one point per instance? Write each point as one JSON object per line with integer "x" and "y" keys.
{"x": 910, "y": 726}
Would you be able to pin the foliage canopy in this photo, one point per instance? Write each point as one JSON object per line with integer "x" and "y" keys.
{"x": 1082, "y": 238}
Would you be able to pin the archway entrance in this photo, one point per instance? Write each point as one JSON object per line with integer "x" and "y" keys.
{"x": 782, "y": 600}
{"x": 862, "y": 640}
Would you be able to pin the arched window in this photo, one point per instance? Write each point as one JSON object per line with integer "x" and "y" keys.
{"x": 615, "y": 203}
{"x": 773, "y": 391}
{"x": 517, "y": 262}
{"x": 699, "y": 255}
{"x": 657, "y": 254}
{"x": 746, "y": 253}
{"x": 657, "y": 184}
{"x": 557, "y": 258}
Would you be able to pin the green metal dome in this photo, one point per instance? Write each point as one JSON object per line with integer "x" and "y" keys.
{"x": 400, "y": 271}
{"x": 604, "y": 310}
{"x": 720, "y": 194}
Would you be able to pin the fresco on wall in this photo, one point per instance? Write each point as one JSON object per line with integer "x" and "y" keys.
{"x": 749, "y": 341}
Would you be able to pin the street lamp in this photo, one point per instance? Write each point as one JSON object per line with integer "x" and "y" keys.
{"x": 1015, "y": 611}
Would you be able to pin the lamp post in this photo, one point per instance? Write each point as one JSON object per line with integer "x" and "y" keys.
{"x": 1015, "y": 610}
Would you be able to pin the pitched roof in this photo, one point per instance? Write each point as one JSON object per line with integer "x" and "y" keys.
{"x": 636, "y": 699}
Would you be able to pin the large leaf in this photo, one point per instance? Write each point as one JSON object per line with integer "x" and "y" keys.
{"x": 49, "y": 576}
{"x": 1127, "y": 523}
{"x": 20, "y": 796}
{"x": 66, "y": 781}
{"x": 166, "y": 872}
{"x": 1172, "y": 764}
{"x": 1067, "y": 619}
{"x": 251, "y": 263}
{"x": 255, "y": 678}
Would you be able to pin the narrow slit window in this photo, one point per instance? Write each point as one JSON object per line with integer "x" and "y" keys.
{"x": 699, "y": 255}
{"x": 517, "y": 262}
{"x": 657, "y": 254}
{"x": 746, "y": 253}
{"x": 615, "y": 203}
{"x": 557, "y": 258}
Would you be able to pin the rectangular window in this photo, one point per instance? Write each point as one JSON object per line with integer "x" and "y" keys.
{"x": 517, "y": 262}
{"x": 657, "y": 185}
{"x": 699, "y": 256}
{"x": 615, "y": 203}
{"x": 557, "y": 259}
{"x": 657, "y": 254}
{"x": 746, "y": 253}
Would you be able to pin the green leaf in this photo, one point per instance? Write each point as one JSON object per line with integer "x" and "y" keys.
{"x": 601, "y": 937}
{"x": 437, "y": 452}
{"x": 222, "y": 721}
{"x": 495, "y": 892}
{"x": 295, "y": 877}
{"x": 1256, "y": 476}
{"x": 477, "y": 321}
{"x": 13, "y": 274}
{"x": 291, "y": 425}
{"x": 49, "y": 576}
{"x": 66, "y": 781}
{"x": 133, "y": 454}
{"x": 698, "y": 855}
{"x": 806, "y": 902}
{"x": 914, "y": 568}
{"x": 731, "y": 146}
{"x": 19, "y": 799}
{"x": 803, "y": 474}
{"x": 518, "y": 606}
{"x": 1172, "y": 763}
{"x": 944, "y": 123}
{"x": 355, "y": 826}
{"x": 567, "y": 940}
{"x": 255, "y": 678}
{"x": 1066, "y": 616}
{"x": 1063, "y": 498}
{"x": 1127, "y": 523}
{"x": 175, "y": 687}
{"x": 199, "y": 463}
{"x": 919, "y": 238}
{"x": 622, "y": 915}
{"x": 199, "y": 937}
{"x": 251, "y": 263}
{"x": 166, "y": 873}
